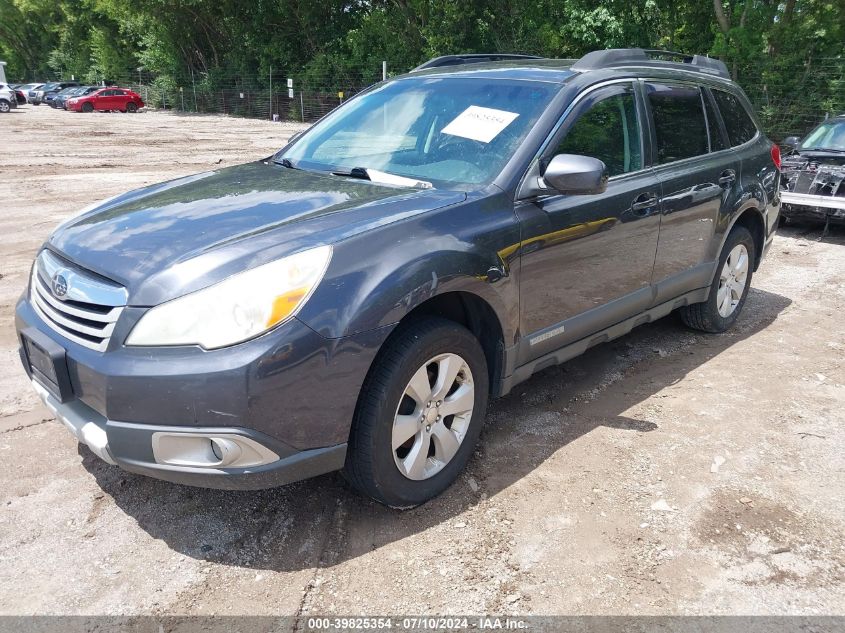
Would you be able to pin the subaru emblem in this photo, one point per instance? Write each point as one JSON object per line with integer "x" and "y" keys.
{"x": 59, "y": 285}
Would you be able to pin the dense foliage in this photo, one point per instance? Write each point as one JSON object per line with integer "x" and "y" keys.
{"x": 774, "y": 47}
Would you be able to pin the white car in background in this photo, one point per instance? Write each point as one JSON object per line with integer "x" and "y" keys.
{"x": 7, "y": 98}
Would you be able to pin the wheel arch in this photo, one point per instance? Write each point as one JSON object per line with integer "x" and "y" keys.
{"x": 475, "y": 314}
{"x": 752, "y": 219}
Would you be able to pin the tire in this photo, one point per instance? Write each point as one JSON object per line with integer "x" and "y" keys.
{"x": 87, "y": 107}
{"x": 5, "y": 106}
{"x": 131, "y": 107}
{"x": 373, "y": 466}
{"x": 720, "y": 312}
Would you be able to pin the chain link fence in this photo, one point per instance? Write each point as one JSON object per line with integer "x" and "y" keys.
{"x": 285, "y": 96}
{"x": 789, "y": 100}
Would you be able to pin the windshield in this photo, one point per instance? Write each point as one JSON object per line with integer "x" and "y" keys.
{"x": 830, "y": 135}
{"x": 447, "y": 131}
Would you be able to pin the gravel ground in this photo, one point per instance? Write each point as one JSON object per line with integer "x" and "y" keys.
{"x": 667, "y": 472}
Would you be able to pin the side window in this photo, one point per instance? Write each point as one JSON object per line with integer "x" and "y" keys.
{"x": 608, "y": 130}
{"x": 717, "y": 139}
{"x": 679, "y": 122}
{"x": 739, "y": 124}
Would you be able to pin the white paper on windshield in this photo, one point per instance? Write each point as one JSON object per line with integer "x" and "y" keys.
{"x": 392, "y": 179}
{"x": 480, "y": 124}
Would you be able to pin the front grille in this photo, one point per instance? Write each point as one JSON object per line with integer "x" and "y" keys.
{"x": 88, "y": 309}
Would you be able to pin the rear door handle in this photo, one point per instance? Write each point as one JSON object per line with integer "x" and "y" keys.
{"x": 727, "y": 177}
{"x": 643, "y": 202}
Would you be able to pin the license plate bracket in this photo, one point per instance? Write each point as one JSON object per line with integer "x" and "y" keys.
{"x": 46, "y": 363}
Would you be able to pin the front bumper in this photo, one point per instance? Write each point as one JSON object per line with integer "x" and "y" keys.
{"x": 129, "y": 446}
{"x": 290, "y": 391}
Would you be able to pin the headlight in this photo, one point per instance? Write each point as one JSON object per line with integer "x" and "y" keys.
{"x": 235, "y": 309}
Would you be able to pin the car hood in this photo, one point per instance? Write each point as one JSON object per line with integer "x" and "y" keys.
{"x": 175, "y": 237}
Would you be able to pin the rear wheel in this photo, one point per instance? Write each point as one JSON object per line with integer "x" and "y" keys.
{"x": 729, "y": 288}
{"x": 419, "y": 414}
{"x": 87, "y": 107}
{"x": 5, "y": 106}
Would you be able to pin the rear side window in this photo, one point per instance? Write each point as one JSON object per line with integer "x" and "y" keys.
{"x": 738, "y": 122}
{"x": 607, "y": 130}
{"x": 679, "y": 122}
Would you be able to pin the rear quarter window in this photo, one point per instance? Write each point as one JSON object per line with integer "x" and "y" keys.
{"x": 738, "y": 123}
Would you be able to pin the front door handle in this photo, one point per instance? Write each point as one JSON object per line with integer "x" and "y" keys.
{"x": 727, "y": 177}
{"x": 643, "y": 203}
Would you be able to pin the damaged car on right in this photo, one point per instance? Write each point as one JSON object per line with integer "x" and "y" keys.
{"x": 814, "y": 174}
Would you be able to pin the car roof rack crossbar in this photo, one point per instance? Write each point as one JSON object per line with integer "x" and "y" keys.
{"x": 616, "y": 57}
{"x": 471, "y": 58}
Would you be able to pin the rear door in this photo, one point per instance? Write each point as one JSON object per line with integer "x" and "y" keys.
{"x": 698, "y": 184}
{"x": 586, "y": 260}
{"x": 105, "y": 100}
{"x": 119, "y": 99}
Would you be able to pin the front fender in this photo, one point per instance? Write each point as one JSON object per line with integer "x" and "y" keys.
{"x": 376, "y": 279}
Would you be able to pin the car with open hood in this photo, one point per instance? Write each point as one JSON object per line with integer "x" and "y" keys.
{"x": 814, "y": 174}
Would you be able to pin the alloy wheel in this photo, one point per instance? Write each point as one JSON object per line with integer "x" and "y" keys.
{"x": 732, "y": 281}
{"x": 433, "y": 416}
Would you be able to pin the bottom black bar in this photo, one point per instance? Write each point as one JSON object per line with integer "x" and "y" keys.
{"x": 317, "y": 623}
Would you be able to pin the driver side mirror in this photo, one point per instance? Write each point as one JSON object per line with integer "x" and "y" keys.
{"x": 792, "y": 142}
{"x": 574, "y": 174}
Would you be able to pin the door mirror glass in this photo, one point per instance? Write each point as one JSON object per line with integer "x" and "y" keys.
{"x": 792, "y": 142}
{"x": 574, "y": 174}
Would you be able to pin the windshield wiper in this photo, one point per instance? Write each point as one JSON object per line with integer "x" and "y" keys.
{"x": 285, "y": 162}
{"x": 823, "y": 149}
{"x": 355, "y": 172}
{"x": 382, "y": 177}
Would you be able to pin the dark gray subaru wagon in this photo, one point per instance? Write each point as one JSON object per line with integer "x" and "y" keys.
{"x": 354, "y": 300}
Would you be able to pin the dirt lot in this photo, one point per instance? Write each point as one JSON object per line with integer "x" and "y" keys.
{"x": 664, "y": 473}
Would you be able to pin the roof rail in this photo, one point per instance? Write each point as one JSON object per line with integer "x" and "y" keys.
{"x": 651, "y": 57}
{"x": 470, "y": 58}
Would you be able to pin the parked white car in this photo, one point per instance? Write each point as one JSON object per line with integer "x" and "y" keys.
{"x": 7, "y": 98}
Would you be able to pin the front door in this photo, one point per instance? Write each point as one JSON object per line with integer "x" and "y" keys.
{"x": 586, "y": 260}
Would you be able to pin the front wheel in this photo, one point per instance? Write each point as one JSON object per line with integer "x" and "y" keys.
{"x": 87, "y": 107}
{"x": 4, "y": 106}
{"x": 419, "y": 414}
{"x": 131, "y": 108}
{"x": 729, "y": 288}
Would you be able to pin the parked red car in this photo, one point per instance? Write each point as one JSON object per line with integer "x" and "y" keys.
{"x": 107, "y": 99}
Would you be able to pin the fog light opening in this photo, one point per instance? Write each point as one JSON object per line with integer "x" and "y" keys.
{"x": 209, "y": 450}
